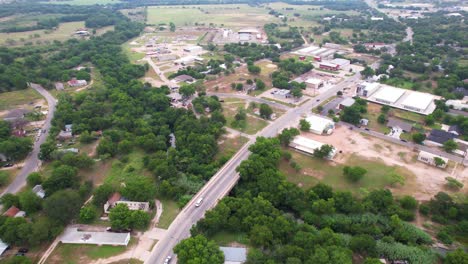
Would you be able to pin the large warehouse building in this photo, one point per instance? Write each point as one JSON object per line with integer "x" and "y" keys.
{"x": 308, "y": 146}
{"x": 320, "y": 125}
{"x": 422, "y": 103}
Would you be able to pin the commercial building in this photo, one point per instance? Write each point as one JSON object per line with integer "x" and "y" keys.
{"x": 342, "y": 63}
{"x": 329, "y": 66}
{"x": 429, "y": 158}
{"x": 347, "y": 102}
{"x": 458, "y": 104}
{"x": 314, "y": 83}
{"x": 317, "y": 52}
{"x": 320, "y": 125}
{"x": 187, "y": 60}
{"x": 233, "y": 255}
{"x": 116, "y": 198}
{"x": 308, "y": 146}
{"x": 422, "y": 103}
{"x": 75, "y": 236}
{"x": 193, "y": 49}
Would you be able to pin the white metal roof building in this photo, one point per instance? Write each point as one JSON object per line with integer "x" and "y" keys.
{"x": 388, "y": 94}
{"x": 3, "y": 247}
{"x": 73, "y": 236}
{"x": 193, "y": 49}
{"x": 341, "y": 62}
{"x": 418, "y": 101}
{"x": 366, "y": 89}
{"x": 429, "y": 158}
{"x": 308, "y": 146}
{"x": 458, "y": 104}
{"x": 320, "y": 125}
{"x": 234, "y": 255}
{"x": 314, "y": 83}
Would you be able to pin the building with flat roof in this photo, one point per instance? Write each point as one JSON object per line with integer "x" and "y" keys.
{"x": 397, "y": 123}
{"x": 341, "y": 62}
{"x": 193, "y": 49}
{"x": 75, "y": 236}
{"x": 366, "y": 89}
{"x": 314, "y": 83}
{"x": 329, "y": 66}
{"x": 346, "y": 102}
{"x": 429, "y": 158}
{"x": 320, "y": 125}
{"x": 233, "y": 255}
{"x": 308, "y": 146}
{"x": 417, "y": 101}
{"x": 458, "y": 104}
{"x": 388, "y": 95}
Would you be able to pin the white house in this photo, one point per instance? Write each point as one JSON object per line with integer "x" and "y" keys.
{"x": 320, "y": 125}
{"x": 39, "y": 191}
{"x": 117, "y": 198}
{"x": 308, "y": 146}
{"x": 429, "y": 158}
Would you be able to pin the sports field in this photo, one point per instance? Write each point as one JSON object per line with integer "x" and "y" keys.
{"x": 233, "y": 16}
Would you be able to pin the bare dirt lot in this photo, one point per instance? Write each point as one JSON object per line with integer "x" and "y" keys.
{"x": 429, "y": 180}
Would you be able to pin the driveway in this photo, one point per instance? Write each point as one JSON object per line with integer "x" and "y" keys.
{"x": 32, "y": 161}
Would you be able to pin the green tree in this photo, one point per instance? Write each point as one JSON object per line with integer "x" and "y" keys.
{"x": 260, "y": 84}
{"x": 8, "y": 200}
{"x": 4, "y": 178}
{"x": 261, "y": 236}
{"x": 140, "y": 219}
{"x": 87, "y": 214}
{"x": 265, "y": 111}
{"x": 86, "y": 137}
{"x": 62, "y": 177}
{"x": 120, "y": 217}
{"x": 63, "y": 205}
{"x": 368, "y": 72}
{"x": 323, "y": 152}
{"x": 187, "y": 91}
{"x": 198, "y": 250}
{"x": 381, "y": 119}
{"x": 439, "y": 162}
{"x": 408, "y": 202}
{"x": 458, "y": 256}
{"x": 418, "y": 138}
{"x": 287, "y": 135}
{"x": 355, "y": 173}
{"x": 364, "y": 245}
{"x": 30, "y": 202}
{"x": 385, "y": 109}
{"x": 254, "y": 69}
{"x": 34, "y": 179}
{"x": 304, "y": 125}
{"x": 172, "y": 27}
{"x": 450, "y": 145}
{"x": 296, "y": 92}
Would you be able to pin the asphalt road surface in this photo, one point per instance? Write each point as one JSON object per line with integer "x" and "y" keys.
{"x": 32, "y": 162}
{"x": 226, "y": 178}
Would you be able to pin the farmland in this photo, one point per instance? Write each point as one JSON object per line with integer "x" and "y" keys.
{"x": 234, "y": 16}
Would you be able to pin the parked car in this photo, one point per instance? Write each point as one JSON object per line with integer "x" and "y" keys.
{"x": 109, "y": 229}
{"x": 168, "y": 260}
{"x": 23, "y": 250}
{"x": 366, "y": 129}
{"x": 404, "y": 140}
{"x": 8, "y": 165}
{"x": 19, "y": 254}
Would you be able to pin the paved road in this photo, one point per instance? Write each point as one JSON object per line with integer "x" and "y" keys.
{"x": 32, "y": 162}
{"x": 158, "y": 71}
{"x": 225, "y": 179}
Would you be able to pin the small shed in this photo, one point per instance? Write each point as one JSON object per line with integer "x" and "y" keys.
{"x": 234, "y": 255}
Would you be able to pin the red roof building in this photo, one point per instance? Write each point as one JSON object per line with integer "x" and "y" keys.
{"x": 12, "y": 211}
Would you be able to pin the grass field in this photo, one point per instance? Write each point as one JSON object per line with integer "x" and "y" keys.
{"x": 230, "y": 146}
{"x": 316, "y": 170}
{"x": 63, "y": 32}
{"x": 227, "y": 238}
{"x": 229, "y": 15}
{"x": 74, "y": 254}
{"x": 84, "y": 2}
{"x": 170, "y": 211}
{"x": 9, "y": 100}
{"x": 121, "y": 172}
{"x": 253, "y": 124}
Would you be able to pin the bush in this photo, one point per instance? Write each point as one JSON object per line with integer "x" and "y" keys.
{"x": 424, "y": 209}
{"x": 34, "y": 179}
{"x": 354, "y": 174}
{"x": 453, "y": 184}
{"x": 408, "y": 202}
{"x": 444, "y": 237}
{"x": 87, "y": 214}
{"x": 4, "y": 178}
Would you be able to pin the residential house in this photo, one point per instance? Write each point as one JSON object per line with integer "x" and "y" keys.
{"x": 184, "y": 78}
{"x": 59, "y": 86}
{"x": 399, "y": 124}
{"x": 3, "y": 247}
{"x": 14, "y": 212}
{"x": 438, "y": 137}
{"x": 308, "y": 146}
{"x": 429, "y": 158}
{"x": 77, "y": 83}
{"x": 233, "y": 255}
{"x": 117, "y": 198}
{"x": 39, "y": 191}
{"x": 64, "y": 135}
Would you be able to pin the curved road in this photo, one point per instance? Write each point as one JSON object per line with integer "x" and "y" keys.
{"x": 226, "y": 178}
{"x": 32, "y": 161}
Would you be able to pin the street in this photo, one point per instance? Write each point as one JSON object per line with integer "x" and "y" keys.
{"x": 226, "y": 178}
{"x": 32, "y": 162}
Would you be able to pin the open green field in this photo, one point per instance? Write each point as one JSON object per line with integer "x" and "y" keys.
{"x": 121, "y": 172}
{"x": 253, "y": 124}
{"x": 230, "y": 15}
{"x": 74, "y": 254}
{"x": 317, "y": 170}
{"x": 63, "y": 32}
{"x": 83, "y": 2}
{"x": 9, "y": 100}
{"x": 170, "y": 211}
{"x": 227, "y": 238}
{"x": 230, "y": 146}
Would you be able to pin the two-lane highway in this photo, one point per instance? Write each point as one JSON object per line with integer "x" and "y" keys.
{"x": 226, "y": 178}
{"x": 32, "y": 161}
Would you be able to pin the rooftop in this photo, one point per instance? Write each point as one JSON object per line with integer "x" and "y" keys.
{"x": 388, "y": 94}
{"x": 440, "y": 136}
{"x": 11, "y": 212}
{"x": 3, "y": 247}
{"x": 74, "y": 236}
{"x": 418, "y": 100}
{"x": 314, "y": 81}
{"x": 347, "y": 102}
{"x": 393, "y": 122}
{"x": 232, "y": 254}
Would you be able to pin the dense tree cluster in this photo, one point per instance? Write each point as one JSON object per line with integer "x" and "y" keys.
{"x": 14, "y": 148}
{"x": 286, "y": 224}
{"x": 253, "y": 51}
{"x": 288, "y": 39}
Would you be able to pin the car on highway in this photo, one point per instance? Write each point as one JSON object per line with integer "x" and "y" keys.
{"x": 199, "y": 202}
{"x": 168, "y": 260}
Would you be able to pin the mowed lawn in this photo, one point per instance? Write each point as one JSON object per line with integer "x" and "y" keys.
{"x": 252, "y": 124}
{"x": 170, "y": 212}
{"x": 317, "y": 170}
{"x": 75, "y": 254}
{"x": 9, "y": 100}
{"x": 229, "y": 15}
